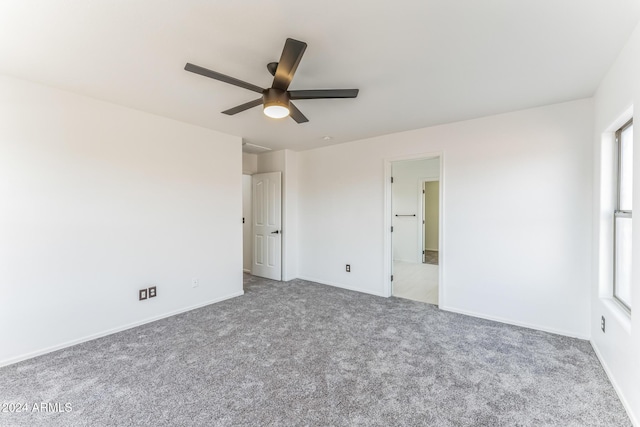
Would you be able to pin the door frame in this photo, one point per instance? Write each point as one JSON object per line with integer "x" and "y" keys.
{"x": 387, "y": 256}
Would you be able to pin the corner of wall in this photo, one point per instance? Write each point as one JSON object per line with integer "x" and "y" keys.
{"x": 249, "y": 163}
{"x": 285, "y": 161}
{"x": 619, "y": 348}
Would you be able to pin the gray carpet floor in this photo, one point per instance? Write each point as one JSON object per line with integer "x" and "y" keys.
{"x": 299, "y": 353}
{"x": 430, "y": 257}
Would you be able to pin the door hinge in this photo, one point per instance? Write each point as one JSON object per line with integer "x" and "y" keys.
{"x": 392, "y": 228}
{"x": 422, "y": 252}
{"x": 392, "y": 277}
{"x": 422, "y": 191}
{"x": 392, "y": 180}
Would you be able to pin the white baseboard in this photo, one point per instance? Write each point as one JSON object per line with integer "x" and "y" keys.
{"x": 616, "y": 387}
{"x": 114, "y": 330}
{"x": 338, "y": 285}
{"x": 515, "y": 323}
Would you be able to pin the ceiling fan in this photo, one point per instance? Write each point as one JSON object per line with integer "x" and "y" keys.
{"x": 276, "y": 100}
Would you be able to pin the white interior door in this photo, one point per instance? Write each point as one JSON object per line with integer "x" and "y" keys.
{"x": 267, "y": 223}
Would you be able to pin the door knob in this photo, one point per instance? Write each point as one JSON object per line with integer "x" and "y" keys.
{"x": 275, "y": 232}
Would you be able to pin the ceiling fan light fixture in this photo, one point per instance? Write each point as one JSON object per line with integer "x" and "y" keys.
{"x": 276, "y": 103}
{"x": 276, "y": 111}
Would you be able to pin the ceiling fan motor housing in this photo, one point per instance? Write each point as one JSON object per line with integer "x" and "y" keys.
{"x": 273, "y": 97}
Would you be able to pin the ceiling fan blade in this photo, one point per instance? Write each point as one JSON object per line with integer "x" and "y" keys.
{"x": 297, "y": 114}
{"x": 243, "y": 107}
{"x": 221, "y": 77}
{"x": 291, "y": 56}
{"x": 323, "y": 93}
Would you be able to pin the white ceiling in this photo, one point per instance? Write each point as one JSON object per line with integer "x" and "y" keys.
{"x": 416, "y": 62}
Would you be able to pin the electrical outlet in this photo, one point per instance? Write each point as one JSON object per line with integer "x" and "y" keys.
{"x": 152, "y": 292}
{"x": 142, "y": 294}
{"x": 602, "y": 323}
{"x": 195, "y": 283}
{"x": 348, "y": 268}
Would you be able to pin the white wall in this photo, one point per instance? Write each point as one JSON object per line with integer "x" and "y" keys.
{"x": 407, "y": 200}
{"x": 619, "y": 347}
{"x": 99, "y": 201}
{"x": 286, "y": 161}
{"x": 290, "y": 209}
{"x": 249, "y": 167}
{"x": 249, "y": 163}
{"x": 517, "y": 214}
{"x": 247, "y": 229}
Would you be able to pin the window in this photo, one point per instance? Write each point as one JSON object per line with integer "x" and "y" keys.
{"x": 623, "y": 217}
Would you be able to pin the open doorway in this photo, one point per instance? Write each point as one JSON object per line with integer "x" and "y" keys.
{"x": 262, "y": 225}
{"x": 415, "y": 221}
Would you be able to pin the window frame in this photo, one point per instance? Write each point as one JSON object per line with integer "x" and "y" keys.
{"x": 618, "y": 213}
